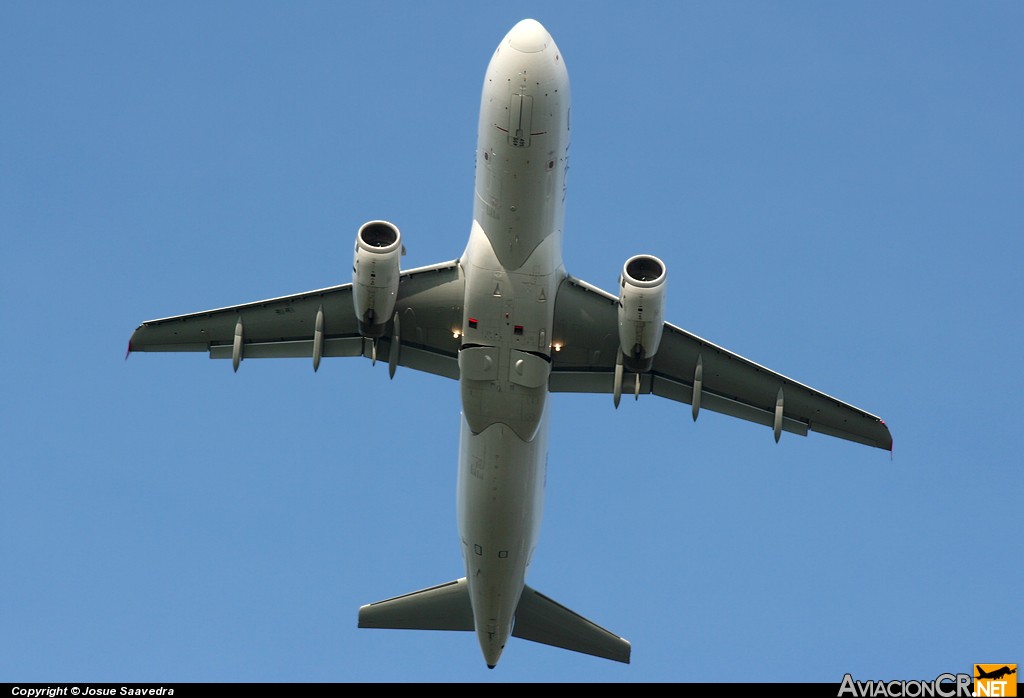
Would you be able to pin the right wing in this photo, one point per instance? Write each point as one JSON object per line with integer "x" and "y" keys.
{"x": 428, "y": 307}
{"x": 586, "y": 339}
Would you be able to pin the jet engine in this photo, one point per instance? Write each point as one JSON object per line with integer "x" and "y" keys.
{"x": 641, "y": 310}
{"x": 375, "y": 276}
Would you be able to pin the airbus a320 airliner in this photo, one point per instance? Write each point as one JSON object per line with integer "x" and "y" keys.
{"x": 509, "y": 324}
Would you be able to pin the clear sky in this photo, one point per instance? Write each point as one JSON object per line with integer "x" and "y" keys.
{"x": 837, "y": 190}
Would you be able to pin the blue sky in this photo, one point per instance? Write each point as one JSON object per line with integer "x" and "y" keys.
{"x": 836, "y": 189}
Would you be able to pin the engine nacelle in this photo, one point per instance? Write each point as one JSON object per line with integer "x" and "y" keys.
{"x": 375, "y": 276}
{"x": 641, "y": 310}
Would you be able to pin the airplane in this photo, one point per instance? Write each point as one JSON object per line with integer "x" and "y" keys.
{"x": 995, "y": 674}
{"x": 509, "y": 324}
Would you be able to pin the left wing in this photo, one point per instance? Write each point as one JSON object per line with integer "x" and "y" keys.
{"x": 586, "y": 340}
{"x": 420, "y": 336}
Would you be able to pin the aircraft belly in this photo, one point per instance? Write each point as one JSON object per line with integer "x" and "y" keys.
{"x": 500, "y": 503}
{"x": 513, "y": 268}
{"x": 503, "y": 386}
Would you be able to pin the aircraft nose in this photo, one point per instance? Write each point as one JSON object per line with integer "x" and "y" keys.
{"x": 529, "y": 36}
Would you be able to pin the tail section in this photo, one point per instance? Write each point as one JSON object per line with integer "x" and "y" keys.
{"x": 538, "y": 619}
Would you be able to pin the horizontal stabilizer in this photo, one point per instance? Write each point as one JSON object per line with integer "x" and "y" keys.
{"x": 543, "y": 620}
{"x": 443, "y": 607}
{"x": 538, "y": 619}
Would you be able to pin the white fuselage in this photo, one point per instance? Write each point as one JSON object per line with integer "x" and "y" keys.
{"x": 513, "y": 267}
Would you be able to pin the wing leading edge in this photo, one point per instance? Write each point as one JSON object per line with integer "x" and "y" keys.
{"x": 586, "y": 334}
{"x": 323, "y": 323}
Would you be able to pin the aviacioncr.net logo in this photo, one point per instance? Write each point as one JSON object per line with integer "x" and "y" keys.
{"x": 944, "y": 686}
